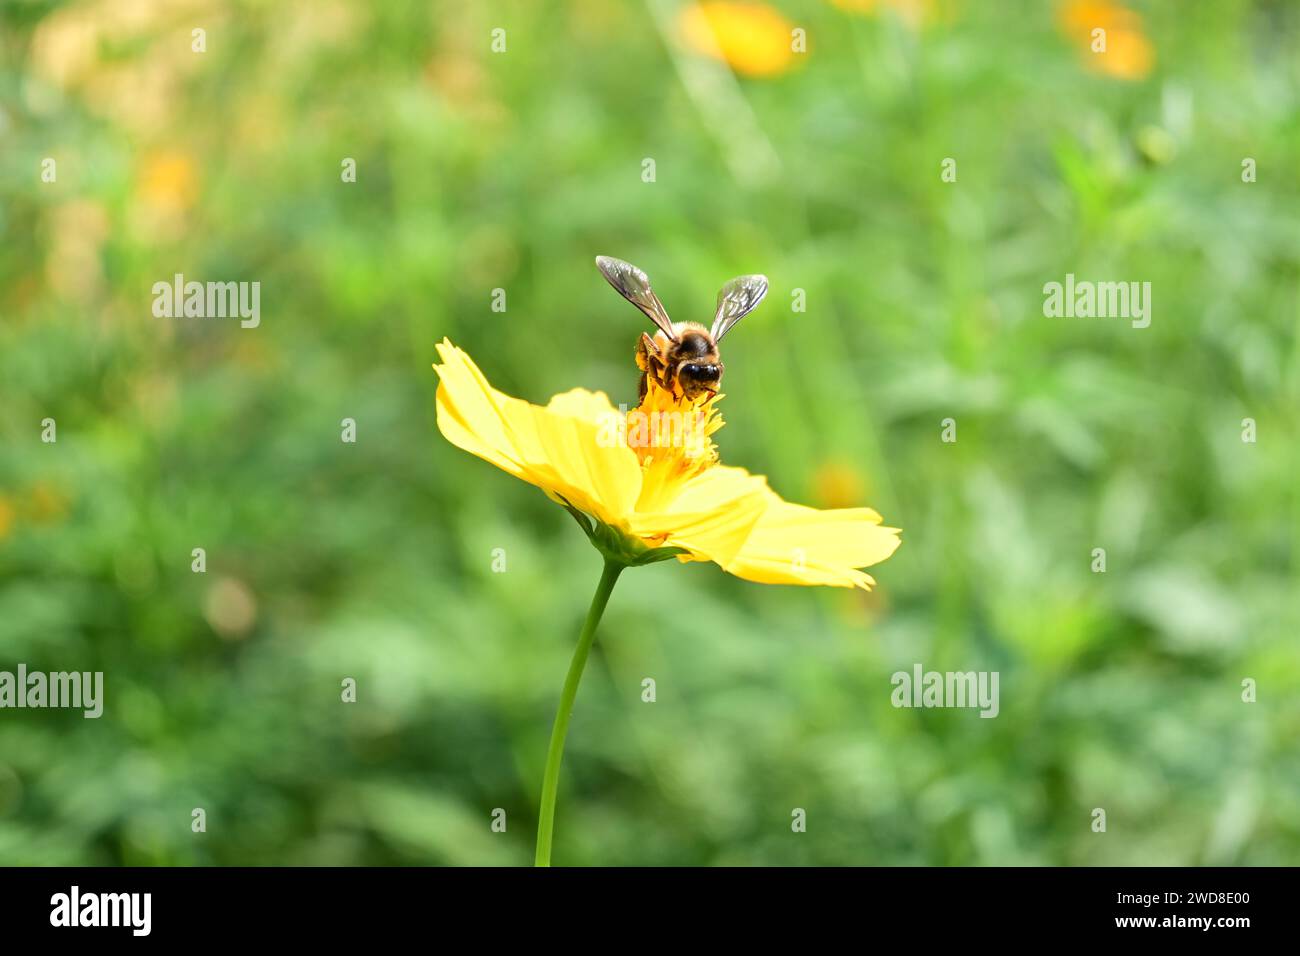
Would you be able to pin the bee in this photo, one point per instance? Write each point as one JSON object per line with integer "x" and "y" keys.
{"x": 682, "y": 358}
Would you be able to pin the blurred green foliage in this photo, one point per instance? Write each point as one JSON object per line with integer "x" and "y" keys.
{"x": 478, "y": 171}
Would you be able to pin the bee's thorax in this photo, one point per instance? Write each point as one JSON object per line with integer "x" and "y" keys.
{"x": 694, "y": 345}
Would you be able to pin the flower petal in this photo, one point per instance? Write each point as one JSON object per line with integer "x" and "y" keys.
{"x": 593, "y": 407}
{"x": 559, "y": 448}
{"x": 711, "y": 514}
{"x": 795, "y": 544}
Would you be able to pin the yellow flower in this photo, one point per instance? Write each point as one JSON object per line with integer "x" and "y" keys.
{"x": 1127, "y": 55}
{"x": 752, "y": 38}
{"x": 648, "y": 485}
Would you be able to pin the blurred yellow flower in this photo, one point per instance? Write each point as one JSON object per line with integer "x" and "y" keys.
{"x": 45, "y": 504}
{"x": 6, "y": 517}
{"x": 836, "y": 484}
{"x": 652, "y": 483}
{"x": 168, "y": 181}
{"x": 166, "y": 189}
{"x": 74, "y": 261}
{"x": 752, "y": 38}
{"x": 125, "y": 59}
{"x": 1121, "y": 50}
{"x": 911, "y": 12}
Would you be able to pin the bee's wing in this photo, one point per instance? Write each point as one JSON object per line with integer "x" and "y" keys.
{"x": 737, "y": 299}
{"x": 633, "y": 285}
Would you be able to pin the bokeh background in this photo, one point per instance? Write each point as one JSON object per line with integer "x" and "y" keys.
{"x": 479, "y": 170}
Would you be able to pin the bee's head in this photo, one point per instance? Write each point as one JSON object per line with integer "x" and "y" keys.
{"x": 697, "y": 378}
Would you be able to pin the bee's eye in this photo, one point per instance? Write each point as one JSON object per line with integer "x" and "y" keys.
{"x": 691, "y": 370}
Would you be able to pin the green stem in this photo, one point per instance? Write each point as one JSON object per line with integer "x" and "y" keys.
{"x": 555, "y": 753}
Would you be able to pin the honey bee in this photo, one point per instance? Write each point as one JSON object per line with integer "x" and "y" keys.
{"x": 683, "y": 356}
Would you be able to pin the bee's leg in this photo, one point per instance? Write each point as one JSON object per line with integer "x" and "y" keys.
{"x": 641, "y": 388}
{"x": 667, "y": 380}
{"x": 645, "y": 347}
{"x": 651, "y": 363}
{"x": 646, "y": 352}
{"x": 675, "y": 384}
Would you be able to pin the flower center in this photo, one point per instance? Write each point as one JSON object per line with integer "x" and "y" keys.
{"x": 672, "y": 436}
